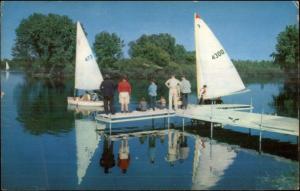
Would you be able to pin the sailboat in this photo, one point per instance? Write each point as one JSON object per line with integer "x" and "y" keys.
{"x": 6, "y": 66}
{"x": 214, "y": 68}
{"x": 87, "y": 72}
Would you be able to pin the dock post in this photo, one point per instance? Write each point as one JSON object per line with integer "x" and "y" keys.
{"x": 110, "y": 128}
{"x": 168, "y": 122}
{"x": 251, "y": 110}
{"x": 183, "y": 124}
{"x": 211, "y": 123}
{"x": 260, "y": 130}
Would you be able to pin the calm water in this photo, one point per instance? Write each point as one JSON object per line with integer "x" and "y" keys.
{"x": 46, "y": 146}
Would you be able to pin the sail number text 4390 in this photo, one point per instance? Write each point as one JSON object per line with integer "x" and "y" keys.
{"x": 218, "y": 54}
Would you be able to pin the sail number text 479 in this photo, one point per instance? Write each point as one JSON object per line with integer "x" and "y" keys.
{"x": 218, "y": 54}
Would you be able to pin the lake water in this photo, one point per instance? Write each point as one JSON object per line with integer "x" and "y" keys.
{"x": 46, "y": 146}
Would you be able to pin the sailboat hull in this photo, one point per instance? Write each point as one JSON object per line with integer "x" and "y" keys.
{"x": 75, "y": 101}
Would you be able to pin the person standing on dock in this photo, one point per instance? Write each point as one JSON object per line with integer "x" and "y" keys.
{"x": 185, "y": 89}
{"x": 202, "y": 94}
{"x": 173, "y": 84}
{"x": 124, "y": 89}
{"x": 152, "y": 91}
{"x": 107, "y": 88}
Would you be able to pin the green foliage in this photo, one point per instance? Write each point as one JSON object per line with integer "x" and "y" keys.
{"x": 108, "y": 49}
{"x": 287, "y": 50}
{"x": 45, "y": 43}
{"x": 161, "y": 49}
{"x": 254, "y": 69}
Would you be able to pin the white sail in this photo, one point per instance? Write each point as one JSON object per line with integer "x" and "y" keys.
{"x": 213, "y": 65}
{"x": 87, "y": 73}
{"x": 86, "y": 143}
{"x": 6, "y": 66}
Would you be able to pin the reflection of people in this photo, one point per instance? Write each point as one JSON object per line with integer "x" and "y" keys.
{"x": 173, "y": 85}
{"x": 162, "y": 103}
{"x": 183, "y": 147}
{"x": 107, "y": 160}
{"x": 124, "y": 157}
{"x": 172, "y": 147}
{"x": 142, "y": 105}
{"x": 107, "y": 88}
{"x": 86, "y": 96}
{"x": 151, "y": 148}
{"x": 124, "y": 89}
{"x": 152, "y": 94}
{"x": 185, "y": 89}
{"x": 202, "y": 94}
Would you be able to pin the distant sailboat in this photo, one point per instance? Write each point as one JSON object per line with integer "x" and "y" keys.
{"x": 87, "y": 72}
{"x": 87, "y": 141}
{"x": 6, "y": 66}
{"x": 213, "y": 65}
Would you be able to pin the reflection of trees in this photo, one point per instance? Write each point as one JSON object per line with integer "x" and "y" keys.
{"x": 42, "y": 106}
{"x": 287, "y": 102}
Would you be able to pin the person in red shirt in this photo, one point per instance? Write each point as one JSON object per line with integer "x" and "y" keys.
{"x": 124, "y": 89}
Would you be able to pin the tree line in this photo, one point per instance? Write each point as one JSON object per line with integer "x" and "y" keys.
{"x": 45, "y": 44}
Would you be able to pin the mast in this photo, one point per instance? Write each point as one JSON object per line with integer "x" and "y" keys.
{"x": 197, "y": 48}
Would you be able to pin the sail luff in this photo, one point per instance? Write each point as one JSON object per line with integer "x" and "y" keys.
{"x": 197, "y": 50}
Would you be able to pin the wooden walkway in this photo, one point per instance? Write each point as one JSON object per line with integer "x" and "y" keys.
{"x": 135, "y": 116}
{"x": 227, "y": 114}
{"x": 278, "y": 124}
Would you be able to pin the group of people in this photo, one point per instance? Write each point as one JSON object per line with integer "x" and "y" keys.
{"x": 177, "y": 89}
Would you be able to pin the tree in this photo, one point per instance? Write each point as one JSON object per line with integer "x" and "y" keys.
{"x": 45, "y": 43}
{"x": 161, "y": 49}
{"x": 287, "y": 50}
{"x": 108, "y": 49}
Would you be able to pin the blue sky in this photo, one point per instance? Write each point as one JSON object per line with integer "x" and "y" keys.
{"x": 247, "y": 30}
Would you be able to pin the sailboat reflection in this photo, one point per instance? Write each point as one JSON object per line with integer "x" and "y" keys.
{"x": 210, "y": 162}
{"x": 86, "y": 143}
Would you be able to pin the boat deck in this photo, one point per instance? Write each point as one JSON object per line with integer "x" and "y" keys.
{"x": 227, "y": 114}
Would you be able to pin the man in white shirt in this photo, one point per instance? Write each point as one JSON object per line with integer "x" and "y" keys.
{"x": 173, "y": 85}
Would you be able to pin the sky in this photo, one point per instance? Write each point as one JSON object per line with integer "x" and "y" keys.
{"x": 247, "y": 30}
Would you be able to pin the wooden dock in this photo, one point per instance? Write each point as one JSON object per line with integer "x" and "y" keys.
{"x": 227, "y": 114}
{"x": 135, "y": 116}
{"x": 278, "y": 124}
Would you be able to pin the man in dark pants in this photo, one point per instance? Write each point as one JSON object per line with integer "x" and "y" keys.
{"x": 107, "y": 88}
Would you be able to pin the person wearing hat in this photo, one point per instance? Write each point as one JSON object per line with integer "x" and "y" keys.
{"x": 107, "y": 88}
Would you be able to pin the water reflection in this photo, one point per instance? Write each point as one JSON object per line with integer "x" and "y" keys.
{"x": 107, "y": 160}
{"x": 41, "y": 106}
{"x": 210, "y": 163}
{"x": 287, "y": 102}
{"x": 87, "y": 141}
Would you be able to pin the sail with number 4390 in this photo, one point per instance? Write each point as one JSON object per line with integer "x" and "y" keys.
{"x": 213, "y": 65}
